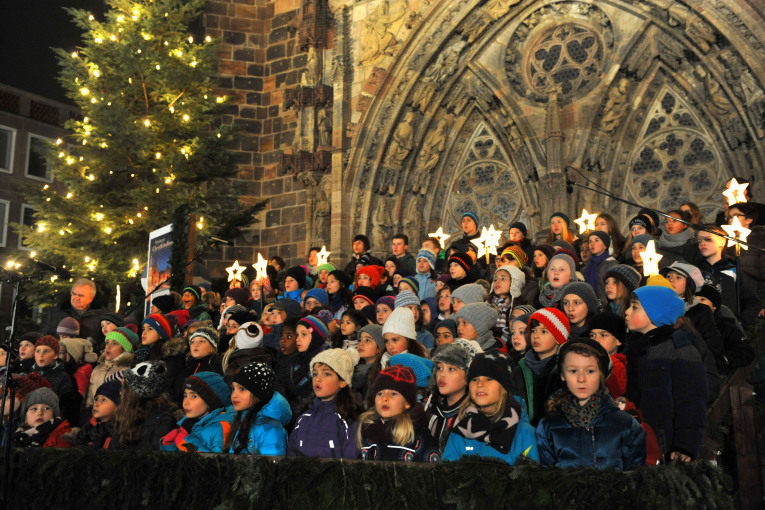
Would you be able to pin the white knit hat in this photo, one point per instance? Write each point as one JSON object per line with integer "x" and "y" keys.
{"x": 517, "y": 280}
{"x": 249, "y": 336}
{"x": 400, "y": 322}
{"x": 338, "y": 360}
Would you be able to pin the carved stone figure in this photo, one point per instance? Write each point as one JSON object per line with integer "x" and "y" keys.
{"x": 381, "y": 225}
{"x": 475, "y": 24}
{"x": 498, "y": 8}
{"x": 700, "y": 32}
{"x": 429, "y": 155}
{"x": 446, "y": 64}
{"x": 312, "y": 74}
{"x": 423, "y": 95}
{"x": 325, "y": 128}
{"x": 715, "y": 99}
{"x": 413, "y": 221}
{"x": 321, "y": 217}
{"x": 377, "y": 39}
{"x": 615, "y": 107}
{"x": 402, "y": 142}
{"x": 515, "y": 138}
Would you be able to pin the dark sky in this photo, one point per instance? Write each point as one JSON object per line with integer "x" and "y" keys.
{"x": 28, "y": 31}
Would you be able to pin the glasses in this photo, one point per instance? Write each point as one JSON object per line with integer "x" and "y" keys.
{"x": 729, "y": 217}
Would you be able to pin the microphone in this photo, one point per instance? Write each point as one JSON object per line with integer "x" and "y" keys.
{"x": 218, "y": 240}
{"x": 58, "y": 271}
{"x": 569, "y": 183}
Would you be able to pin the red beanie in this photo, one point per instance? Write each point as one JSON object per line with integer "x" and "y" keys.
{"x": 49, "y": 341}
{"x": 374, "y": 273}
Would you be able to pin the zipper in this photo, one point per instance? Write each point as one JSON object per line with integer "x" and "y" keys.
{"x": 594, "y": 454}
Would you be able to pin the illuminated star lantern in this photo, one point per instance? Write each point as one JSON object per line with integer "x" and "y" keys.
{"x": 488, "y": 242}
{"x": 586, "y": 221}
{"x": 439, "y": 234}
{"x": 323, "y": 255}
{"x": 650, "y": 259}
{"x": 235, "y": 271}
{"x": 735, "y": 192}
{"x": 260, "y": 268}
{"x": 737, "y": 228}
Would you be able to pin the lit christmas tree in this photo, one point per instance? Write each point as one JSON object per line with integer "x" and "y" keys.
{"x": 149, "y": 142}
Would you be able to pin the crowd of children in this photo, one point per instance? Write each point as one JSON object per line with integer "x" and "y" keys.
{"x": 561, "y": 353}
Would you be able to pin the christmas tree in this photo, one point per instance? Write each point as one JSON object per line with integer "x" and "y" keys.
{"x": 149, "y": 142}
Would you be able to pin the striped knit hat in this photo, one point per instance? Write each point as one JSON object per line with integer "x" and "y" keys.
{"x": 463, "y": 259}
{"x": 409, "y": 280}
{"x": 555, "y": 321}
{"x": 164, "y": 325}
{"x": 315, "y": 325}
{"x": 208, "y": 334}
{"x": 517, "y": 253}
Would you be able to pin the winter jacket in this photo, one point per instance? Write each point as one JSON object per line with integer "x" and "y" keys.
{"x": 407, "y": 262}
{"x": 267, "y": 434}
{"x": 617, "y": 379}
{"x": 89, "y": 320}
{"x": 62, "y": 385}
{"x": 321, "y": 432}
{"x": 242, "y": 357}
{"x": 157, "y": 424}
{"x": 103, "y": 370}
{"x": 57, "y": 438}
{"x": 752, "y": 262}
{"x": 537, "y": 388}
{"x": 174, "y": 356}
{"x": 282, "y": 369}
{"x": 206, "y": 436}
{"x": 426, "y": 284}
{"x": 738, "y": 350}
{"x": 94, "y": 434}
{"x": 724, "y": 271}
{"x": 426, "y": 339}
{"x": 666, "y": 381}
{"x": 423, "y": 449}
{"x": 705, "y": 337}
{"x": 615, "y": 440}
{"x": 82, "y": 377}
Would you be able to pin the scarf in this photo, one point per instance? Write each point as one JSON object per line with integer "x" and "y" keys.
{"x": 550, "y": 297}
{"x": 336, "y": 302}
{"x": 581, "y": 416}
{"x": 535, "y": 364}
{"x": 591, "y": 271}
{"x": 675, "y": 240}
{"x": 497, "y": 434}
{"x": 36, "y": 436}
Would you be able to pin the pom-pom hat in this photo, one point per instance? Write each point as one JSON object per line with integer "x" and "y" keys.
{"x": 554, "y": 321}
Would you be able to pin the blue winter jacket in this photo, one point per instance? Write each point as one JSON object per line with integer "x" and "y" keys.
{"x": 426, "y": 284}
{"x": 321, "y": 432}
{"x": 615, "y": 440}
{"x": 207, "y": 435}
{"x": 267, "y": 434}
{"x": 524, "y": 443}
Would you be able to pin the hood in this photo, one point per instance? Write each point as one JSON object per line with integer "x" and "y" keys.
{"x": 174, "y": 347}
{"x": 277, "y": 409}
{"x": 123, "y": 360}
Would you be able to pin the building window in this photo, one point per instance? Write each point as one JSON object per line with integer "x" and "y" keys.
{"x": 7, "y": 139}
{"x": 27, "y": 220}
{"x": 4, "y": 208}
{"x": 36, "y": 166}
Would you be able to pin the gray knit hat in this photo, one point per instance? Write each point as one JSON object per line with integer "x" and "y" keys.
{"x": 628, "y": 275}
{"x": 147, "y": 379}
{"x": 208, "y": 334}
{"x": 338, "y": 360}
{"x": 456, "y": 354}
{"x": 406, "y": 298}
{"x": 482, "y": 316}
{"x": 470, "y": 293}
{"x": 584, "y": 291}
{"x": 568, "y": 260}
{"x": 400, "y": 322}
{"x": 375, "y": 331}
{"x": 45, "y": 396}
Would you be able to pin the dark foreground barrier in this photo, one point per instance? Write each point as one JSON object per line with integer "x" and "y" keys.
{"x": 80, "y": 479}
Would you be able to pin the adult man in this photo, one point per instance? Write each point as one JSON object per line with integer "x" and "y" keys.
{"x": 79, "y": 307}
{"x": 399, "y": 245}
{"x": 361, "y": 255}
{"x": 752, "y": 262}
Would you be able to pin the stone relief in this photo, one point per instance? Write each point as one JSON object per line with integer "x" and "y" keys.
{"x": 745, "y": 88}
{"x": 377, "y": 40}
{"x": 321, "y": 217}
{"x": 382, "y": 224}
{"x": 413, "y": 221}
{"x": 312, "y": 75}
{"x": 428, "y": 157}
{"x": 325, "y": 127}
{"x": 403, "y": 141}
{"x": 616, "y": 106}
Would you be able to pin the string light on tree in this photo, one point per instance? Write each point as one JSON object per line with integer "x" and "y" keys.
{"x": 650, "y": 259}
{"x": 737, "y": 230}
{"x": 439, "y": 234}
{"x": 235, "y": 271}
{"x": 586, "y": 221}
{"x": 323, "y": 256}
{"x": 735, "y": 193}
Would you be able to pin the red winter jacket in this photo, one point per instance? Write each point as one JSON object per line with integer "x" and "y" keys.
{"x": 82, "y": 377}
{"x": 617, "y": 381}
{"x": 55, "y": 439}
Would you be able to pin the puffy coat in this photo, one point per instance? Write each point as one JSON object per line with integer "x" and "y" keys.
{"x": 157, "y": 424}
{"x": 617, "y": 380}
{"x": 94, "y": 434}
{"x": 103, "y": 370}
{"x": 321, "y": 432}
{"x": 724, "y": 270}
{"x": 614, "y": 441}
{"x": 423, "y": 449}
{"x": 58, "y": 438}
{"x": 536, "y": 388}
{"x": 267, "y": 434}
{"x": 207, "y": 435}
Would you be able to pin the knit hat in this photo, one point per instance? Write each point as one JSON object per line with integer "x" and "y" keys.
{"x": 208, "y": 334}
{"x": 242, "y": 317}
{"x": 643, "y": 221}
{"x": 240, "y": 295}
{"x": 495, "y": 365}
{"x": 45, "y": 396}
{"x": 342, "y": 277}
{"x": 164, "y": 325}
{"x": 517, "y": 280}
{"x": 373, "y": 272}
{"x": 711, "y": 291}
{"x": 470, "y": 214}
{"x": 548, "y": 250}
{"x": 27, "y": 384}
{"x": 194, "y": 290}
{"x": 365, "y": 293}
{"x": 443, "y": 278}
{"x": 525, "y": 308}
{"x": 568, "y": 260}
{"x": 628, "y": 275}
{"x": 643, "y": 239}
{"x": 165, "y": 303}
{"x": 517, "y": 253}
{"x": 427, "y": 255}
{"x": 298, "y": 273}
{"x": 315, "y": 326}
{"x": 319, "y": 295}
{"x": 290, "y": 306}
{"x": 257, "y": 378}
{"x": 110, "y": 390}
{"x": 584, "y": 291}
{"x": 604, "y": 360}
{"x": 400, "y": 322}
{"x": 520, "y": 226}
{"x": 662, "y": 305}
{"x": 31, "y": 337}
{"x": 692, "y": 273}
{"x": 125, "y": 337}
{"x": 411, "y": 282}
{"x": 456, "y": 354}
{"x": 68, "y": 326}
{"x": 375, "y": 331}
{"x": 338, "y": 360}
{"x": 603, "y": 237}
{"x": 521, "y": 318}
{"x": 611, "y": 322}
{"x": 211, "y": 387}
{"x": 397, "y": 378}
{"x": 554, "y": 321}
{"x": 405, "y": 298}
{"x": 248, "y": 336}
{"x": 422, "y": 367}
{"x": 470, "y": 293}
{"x": 657, "y": 279}
{"x": 370, "y": 313}
{"x": 80, "y": 349}
{"x": 114, "y": 318}
{"x": 562, "y": 243}
{"x": 651, "y": 215}
{"x": 326, "y": 316}
{"x": 388, "y": 301}
{"x": 562, "y": 216}
{"x": 231, "y": 310}
{"x": 463, "y": 259}
{"x": 329, "y": 267}
{"x": 49, "y": 341}
{"x": 147, "y": 379}
{"x": 449, "y": 324}
{"x": 182, "y": 316}
{"x": 482, "y": 316}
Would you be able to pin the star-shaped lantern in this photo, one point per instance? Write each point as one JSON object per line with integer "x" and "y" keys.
{"x": 586, "y": 221}
{"x": 235, "y": 271}
{"x": 260, "y": 268}
{"x": 323, "y": 255}
{"x": 737, "y": 228}
{"x": 488, "y": 242}
{"x": 650, "y": 259}
{"x": 735, "y": 192}
{"x": 439, "y": 234}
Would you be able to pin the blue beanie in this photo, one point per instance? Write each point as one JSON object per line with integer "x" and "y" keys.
{"x": 661, "y": 304}
{"x": 427, "y": 255}
{"x": 319, "y": 295}
{"x": 211, "y": 387}
{"x": 471, "y": 215}
{"x": 422, "y": 367}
